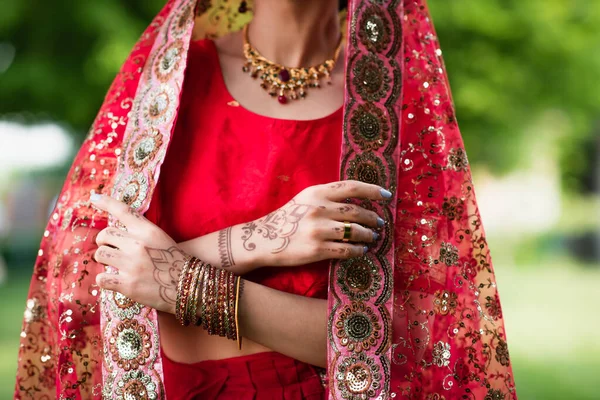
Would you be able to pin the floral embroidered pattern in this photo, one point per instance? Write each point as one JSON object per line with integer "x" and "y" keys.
{"x": 502, "y": 353}
{"x": 453, "y": 208}
{"x": 144, "y": 149}
{"x": 168, "y": 61}
{"x": 457, "y": 159}
{"x": 441, "y": 354}
{"x": 158, "y": 106}
{"x": 374, "y": 30}
{"x": 448, "y": 254}
{"x": 371, "y": 78}
{"x": 129, "y": 344}
{"x": 369, "y": 127}
{"x": 368, "y": 168}
{"x": 135, "y": 385}
{"x": 358, "y": 278}
{"x": 358, "y": 327}
{"x": 357, "y": 377}
{"x": 445, "y": 302}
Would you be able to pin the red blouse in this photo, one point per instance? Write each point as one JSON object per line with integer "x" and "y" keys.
{"x": 227, "y": 165}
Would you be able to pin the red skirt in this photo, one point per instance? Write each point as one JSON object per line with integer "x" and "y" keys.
{"x": 262, "y": 376}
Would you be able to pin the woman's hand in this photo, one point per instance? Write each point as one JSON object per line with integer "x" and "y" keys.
{"x": 147, "y": 259}
{"x": 309, "y": 228}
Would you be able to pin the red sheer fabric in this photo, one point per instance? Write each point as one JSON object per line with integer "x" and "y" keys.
{"x": 418, "y": 318}
{"x": 227, "y": 165}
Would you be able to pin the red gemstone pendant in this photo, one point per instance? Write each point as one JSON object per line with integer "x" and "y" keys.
{"x": 282, "y": 99}
{"x": 284, "y": 75}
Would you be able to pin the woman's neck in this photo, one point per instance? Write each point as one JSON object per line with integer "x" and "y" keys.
{"x": 295, "y": 33}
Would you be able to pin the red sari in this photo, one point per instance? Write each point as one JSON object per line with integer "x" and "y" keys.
{"x": 417, "y": 318}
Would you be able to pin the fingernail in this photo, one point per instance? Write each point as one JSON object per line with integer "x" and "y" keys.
{"x": 375, "y": 236}
{"x": 95, "y": 197}
{"x": 386, "y": 194}
{"x": 380, "y": 222}
{"x": 365, "y": 249}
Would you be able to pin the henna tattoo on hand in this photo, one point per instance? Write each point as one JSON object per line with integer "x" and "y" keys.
{"x": 111, "y": 282}
{"x": 167, "y": 267}
{"x": 134, "y": 213}
{"x": 278, "y": 226}
{"x": 345, "y": 209}
{"x": 116, "y": 233}
{"x": 225, "y": 251}
{"x": 337, "y": 185}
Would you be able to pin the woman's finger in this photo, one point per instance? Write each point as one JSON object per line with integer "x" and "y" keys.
{"x": 358, "y": 234}
{"x": 121, "y": 211}
{"x": 107, "y": 255}
{"x": 339, "y": 191}
{"x": 344, "y": 251}
{"x": 354, "y": 213}
{"x": 109, "y": 281}
{"x": 114, "y": 237}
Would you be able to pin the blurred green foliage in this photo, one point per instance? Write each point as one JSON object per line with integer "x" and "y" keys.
{"x": 511, "y": 63}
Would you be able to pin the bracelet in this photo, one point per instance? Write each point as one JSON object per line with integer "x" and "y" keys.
{"x": 208, "y": 297}
{"x": 237, "y": 300}
{"x": 180, "y": 300}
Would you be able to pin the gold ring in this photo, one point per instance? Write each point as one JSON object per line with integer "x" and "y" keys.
{"x": 347, "y": 231}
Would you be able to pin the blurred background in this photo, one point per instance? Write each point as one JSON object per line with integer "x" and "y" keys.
{"x": 526, "y": 82}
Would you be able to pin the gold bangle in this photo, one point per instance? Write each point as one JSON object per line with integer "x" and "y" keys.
{"x": 237, "y": 325}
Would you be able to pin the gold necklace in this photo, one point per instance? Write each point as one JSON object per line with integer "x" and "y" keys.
{"x": 284, "y": 82}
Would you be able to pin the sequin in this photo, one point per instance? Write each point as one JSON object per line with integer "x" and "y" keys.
{"x": 135, "y": 385}
{"x": 371, "y": 78}
{"x": 358, "y": 278}
{"x": 144, "y": 149}
{"x": 158, "y": 106}
{"x": 168, "y": 61}
{"x": 368, "y": 168}
{"x": 369, "y": 127}
{"x": 374, "y": 30}
{"x": 457, "y": 159}
{"x": 34, "y": 311}
{"x": 134, "y": 189}
{"x": 358, "y": 327}
{"x": 129, "y": 344}
{"x": 448, "y": 254}
{"x": 444, "y": 302}
{"x": 66, "y": 219}
{"x": 121, "y": 306}
{"x": 358, "y": 377}
{"x": 441, "y": 354}
{"x": 181, "y": 20}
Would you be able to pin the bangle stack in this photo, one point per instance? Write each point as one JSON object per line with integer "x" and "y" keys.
{"x": 215, "y": 292}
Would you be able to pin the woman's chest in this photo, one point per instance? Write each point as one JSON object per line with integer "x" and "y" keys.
{"x": 232, "y": 170}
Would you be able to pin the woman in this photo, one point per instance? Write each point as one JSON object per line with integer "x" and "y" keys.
{"x": 250, "y": 193}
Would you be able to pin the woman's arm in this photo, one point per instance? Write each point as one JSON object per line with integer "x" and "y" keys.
{"x": 221, "y": 250}
{"x": 287, "y": 323}
{"x": 301, "y": 232}
{"x": 305, "y": 230}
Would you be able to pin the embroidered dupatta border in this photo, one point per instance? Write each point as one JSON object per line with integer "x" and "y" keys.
{"x": 360, "y": 289}
{"x": 130, "y": 330}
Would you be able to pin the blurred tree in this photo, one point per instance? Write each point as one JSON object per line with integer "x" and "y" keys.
{"x": 512, "y": 63}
